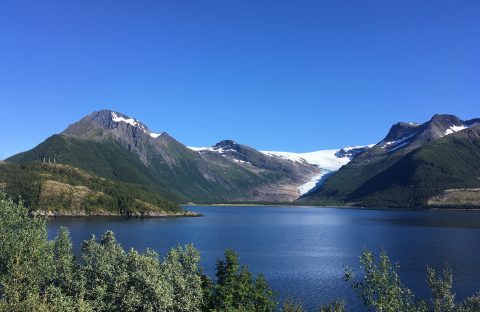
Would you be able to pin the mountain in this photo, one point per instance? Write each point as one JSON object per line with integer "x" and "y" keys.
{"x": 433, "y": 163}
{"x": 415, "y": 165}
{"x": 404, "y": 137}
{"x": 121, "y": 148}
{"x": 61, "y": 190}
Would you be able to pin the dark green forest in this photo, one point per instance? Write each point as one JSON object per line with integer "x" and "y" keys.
{"x": 38, "y": 274}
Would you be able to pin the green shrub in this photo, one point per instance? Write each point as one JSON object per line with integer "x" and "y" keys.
{"x": 381, "y": 289}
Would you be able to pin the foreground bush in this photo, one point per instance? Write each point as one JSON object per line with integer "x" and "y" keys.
{"x": 381, "y": 289}
{"x": 41, "y": 275}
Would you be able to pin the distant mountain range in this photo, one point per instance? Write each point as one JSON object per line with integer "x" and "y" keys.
{"x": 121, "y": 148}
{"x": 435, "y": 163}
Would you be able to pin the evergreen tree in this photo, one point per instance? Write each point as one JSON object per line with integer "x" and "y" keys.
{"x": 237, "y": 290}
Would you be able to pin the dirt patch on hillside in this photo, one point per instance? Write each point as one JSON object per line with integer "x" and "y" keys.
{"x": 457, "y": 197}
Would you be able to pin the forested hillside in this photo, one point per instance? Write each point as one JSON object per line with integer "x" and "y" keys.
{"x": 57, "y": 189}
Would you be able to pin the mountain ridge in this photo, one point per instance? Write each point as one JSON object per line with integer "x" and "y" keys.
{"x": 118, "y": 147}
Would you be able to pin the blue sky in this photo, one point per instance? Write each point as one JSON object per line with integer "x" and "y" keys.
{"x": 276, "y": 75}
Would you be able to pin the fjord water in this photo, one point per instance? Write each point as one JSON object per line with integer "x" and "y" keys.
{"x": 303, "y": 251}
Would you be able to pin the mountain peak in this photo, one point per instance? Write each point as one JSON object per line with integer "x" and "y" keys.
{"x": 109, "y": 119}
{"x": 400, "y": 130}
{"x": 446, "y": 120}
{"x": 225, "y": 144}
{"x": 442, "y": 124}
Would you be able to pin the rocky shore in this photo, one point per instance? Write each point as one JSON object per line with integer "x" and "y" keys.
{"x": 104, "y": 213}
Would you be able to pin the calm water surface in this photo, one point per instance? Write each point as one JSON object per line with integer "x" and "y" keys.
{"x": 303, "y": 251}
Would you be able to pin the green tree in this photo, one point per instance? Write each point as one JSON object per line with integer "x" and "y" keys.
{"x": 470, "y": 304}
{"x": 146, "y": 288}
{"x": 336, "y": 306}
{"x": 25, "y": 257}
{"x": 104, "y": 270}
{"x": 291, "y": 305}
{"x": 181, "y": 272}
{"x": 66, "y": 270}
{"x": 443, "y": 297}
{"x": 237, "y": 290}
{"x": 66, "y": 291}
{"x": 380, "y": 287}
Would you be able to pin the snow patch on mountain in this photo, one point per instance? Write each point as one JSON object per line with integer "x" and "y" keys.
{"x": 454, "y": 129}
{"x": 219, "y": 150}
{"x": 134, "y": 123}
{"x": 130, "y": 121}
{"x": 325, "y": 159}
{"x": 394, "y": 145}
{"x": 199, "y": 149}
{"x": 241, "y": 161}
{"x": 154, "y": 135}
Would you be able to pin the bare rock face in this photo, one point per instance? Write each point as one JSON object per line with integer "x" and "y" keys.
{"x": 351, "y": 152}
{"x": 250, "y": 157}
{"x": 129, "y": 132}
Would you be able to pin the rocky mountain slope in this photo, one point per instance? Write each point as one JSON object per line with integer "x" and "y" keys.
{"x": 414, "y": 165}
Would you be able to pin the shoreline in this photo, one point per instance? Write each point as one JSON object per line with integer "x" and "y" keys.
{"x": 106, "y": 214}
{"x": 280, "y": 205}
{"x": 189, "y": 213}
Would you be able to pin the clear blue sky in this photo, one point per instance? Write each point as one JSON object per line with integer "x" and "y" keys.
{"x": 277, "y": 75}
